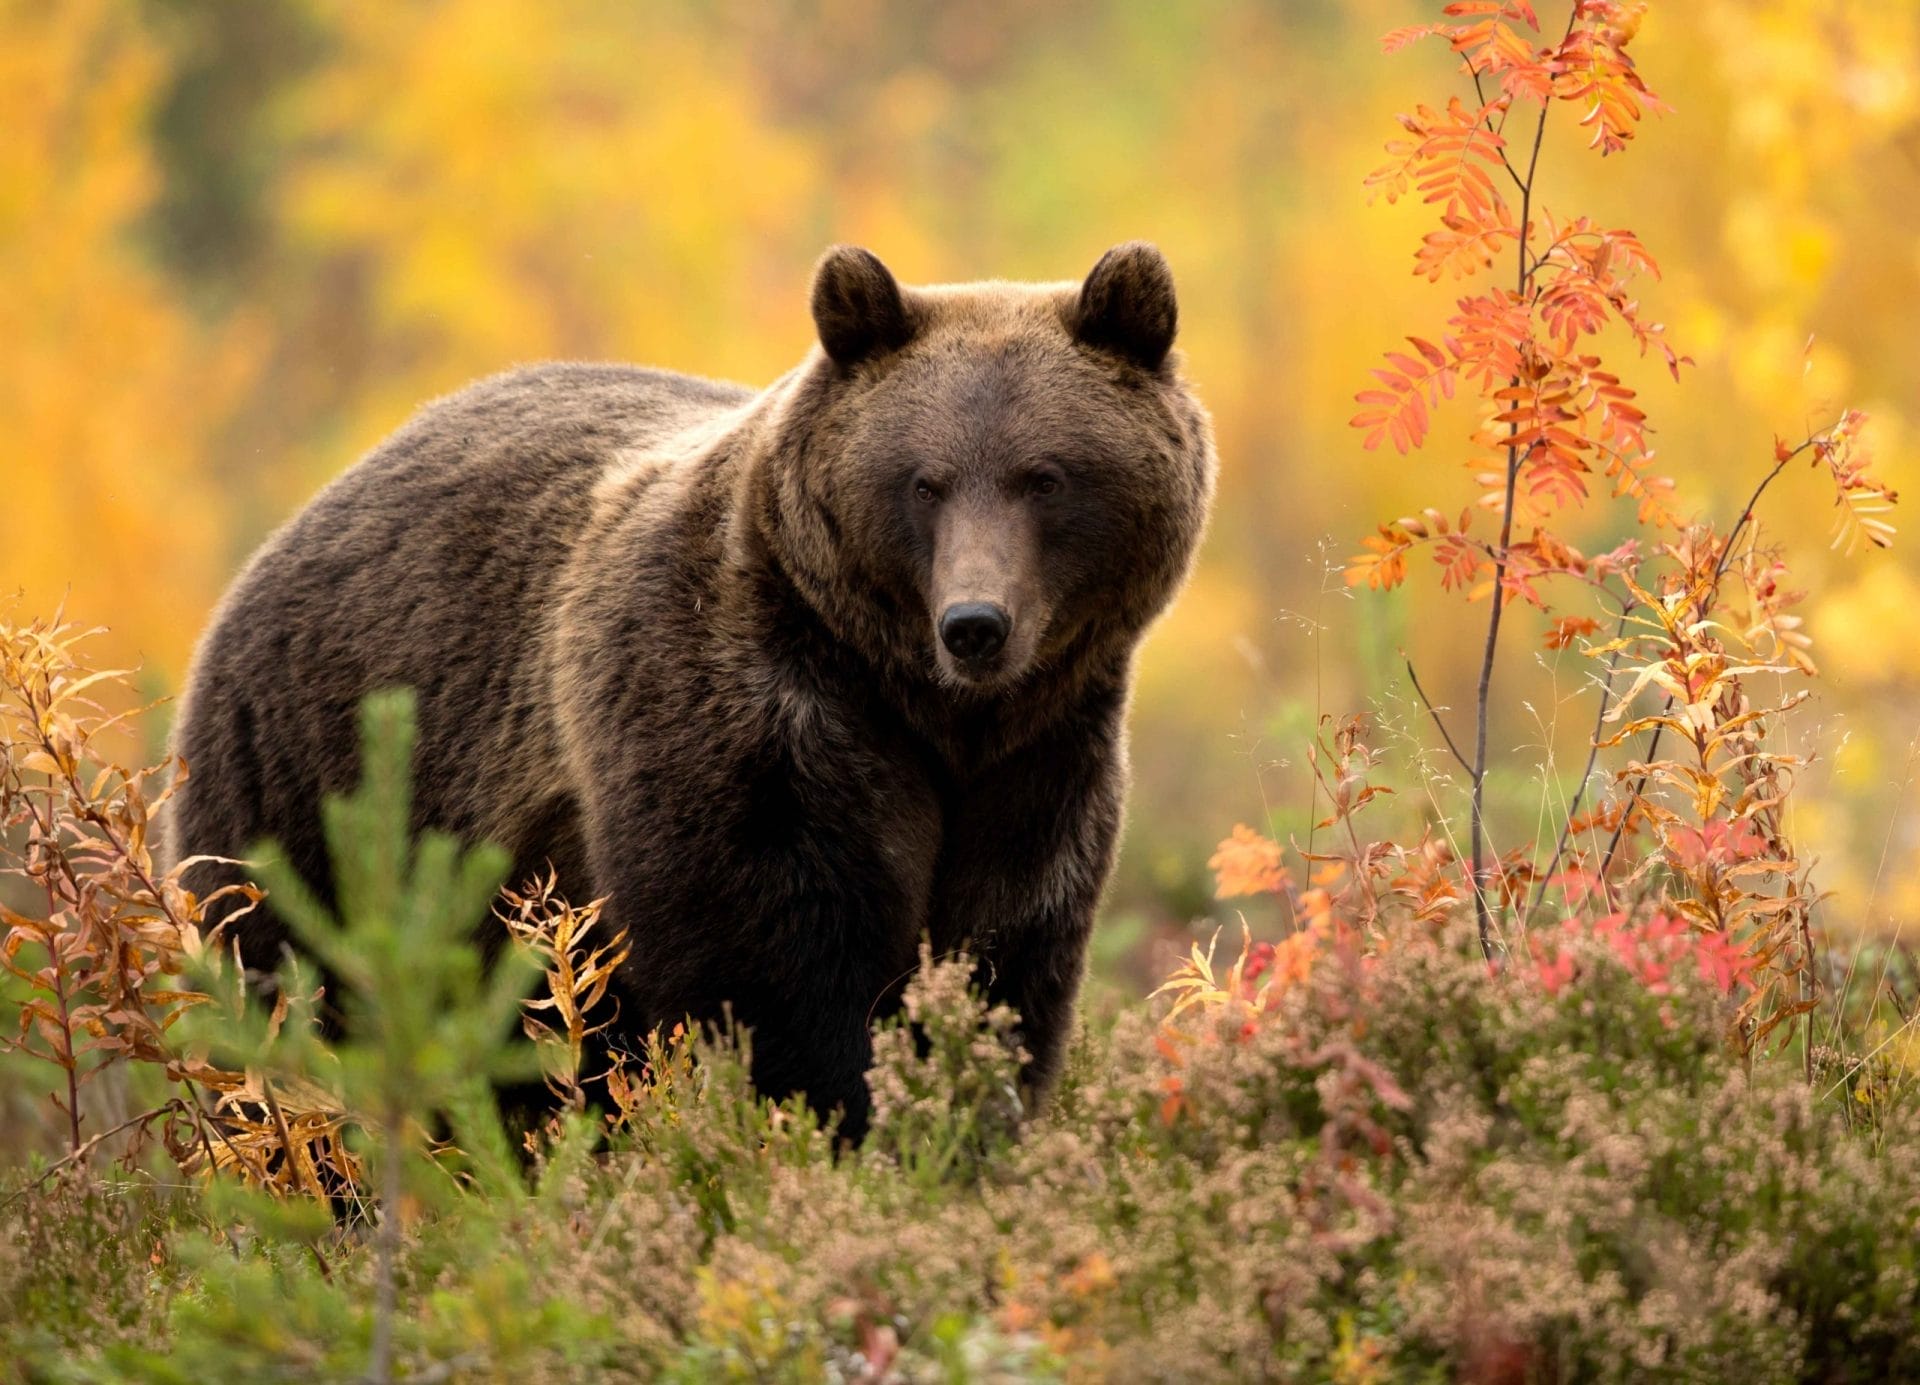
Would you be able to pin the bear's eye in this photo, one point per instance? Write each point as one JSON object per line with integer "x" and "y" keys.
{"x": 926, "y": 491}
{"x": 1043, "y": 485}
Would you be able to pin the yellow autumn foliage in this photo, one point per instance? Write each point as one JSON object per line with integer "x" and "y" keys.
{"x": 450, "y": 188}
{"x": 111, "y": 393}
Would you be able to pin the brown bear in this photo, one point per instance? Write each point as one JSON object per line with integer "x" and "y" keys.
{"x": 795, "y": 678}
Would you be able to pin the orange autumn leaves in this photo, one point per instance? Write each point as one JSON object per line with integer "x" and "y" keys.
{"x": 1696, "y": 835}
{"x": 1589, "y": 66}
{"x": 1250, "y": 863}
{"x": 1247, "y": 863}
{"x": 1562, "y": 421}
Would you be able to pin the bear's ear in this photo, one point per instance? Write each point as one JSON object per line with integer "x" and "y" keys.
{"x": 857, "y": 306}
{"x": 1127, "y": 306}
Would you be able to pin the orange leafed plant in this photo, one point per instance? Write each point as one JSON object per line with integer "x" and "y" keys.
{"x": 96, "y": 936}
{"x": 1247, "y": 863}
{"x": 1683, "y": 616}
{"x": 1555, "y": 424}
{"x": 579, "y": 973}
{"x": 97, "y": 960}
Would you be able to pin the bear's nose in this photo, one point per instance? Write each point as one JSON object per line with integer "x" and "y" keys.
{"x": 974, "y": 630}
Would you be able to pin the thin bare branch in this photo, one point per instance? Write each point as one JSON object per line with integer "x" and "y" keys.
{"x": 1434, "y": 712}
{"x": 79, "y": 1154}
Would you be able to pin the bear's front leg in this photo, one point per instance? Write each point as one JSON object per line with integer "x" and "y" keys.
{"x": 794, "y": 920}
{"x": 816, "y": 1037}
{"x": 1028, "y": 850}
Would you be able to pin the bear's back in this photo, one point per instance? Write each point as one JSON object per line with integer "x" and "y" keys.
{"x": 429, "y": 564}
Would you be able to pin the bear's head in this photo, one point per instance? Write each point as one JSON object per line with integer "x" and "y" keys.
{"x": 978, "y": 483}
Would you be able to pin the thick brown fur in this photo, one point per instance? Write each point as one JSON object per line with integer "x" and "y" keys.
{"x": 684, "y": 641}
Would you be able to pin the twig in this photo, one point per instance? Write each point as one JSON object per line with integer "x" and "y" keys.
{"x": 200, "y": 1129}
{"x": 1512, "y": 172}
{"x": 1809, "y": 989}
{"x": 85, "y": 1149}
{"x": 53, "y": 858}
{"x": 386, "y": 1246}
{"x": 70, "y": 1060}
{"x": 1892, "y": 989}
{"x": 211, "y": 1118}
{"x": 1434, "y": 712}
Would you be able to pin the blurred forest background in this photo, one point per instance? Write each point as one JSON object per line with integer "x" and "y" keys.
{"x": 241, "y": 241}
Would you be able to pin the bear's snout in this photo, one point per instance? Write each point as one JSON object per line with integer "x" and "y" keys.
{"x": 974, "y": 631}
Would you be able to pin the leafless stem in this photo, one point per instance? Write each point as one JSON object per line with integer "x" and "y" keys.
{"x": 70, "y": 1061}
{"x": 1480, "y": 91}
{"x": 1434, "y": 712}
{"x": 204, "y": 1118}
{"x": 45, "y": 829}
{"x": 300, "y": 1166}
{"x": 80, "y": 1153}
{"x": 286, "y": 1137}
{"x": 1809, "y": 987}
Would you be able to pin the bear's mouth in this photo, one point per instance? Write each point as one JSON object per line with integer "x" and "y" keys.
{"x": 979, "y": 673}
{"x": 992, "y": 672}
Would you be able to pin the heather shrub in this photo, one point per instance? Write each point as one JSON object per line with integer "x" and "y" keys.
{"x": 84, "y": 1264}
{"x": 946, "y": 1077}
{"x": 1401, "y": 1163}
{"x": 1595, "y": 1188}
